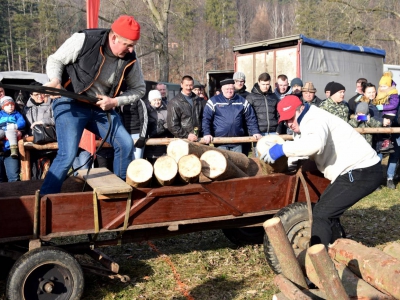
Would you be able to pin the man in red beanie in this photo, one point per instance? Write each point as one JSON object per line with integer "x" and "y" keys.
{"x": 340, "y": 153}
{"x": 94, "y": 62}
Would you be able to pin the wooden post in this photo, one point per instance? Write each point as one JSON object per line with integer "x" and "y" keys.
{"x": 139, "y": 173}
{"x": 189, "y": 168}
{"x": 355, "y": 287}
{"x": 326, "y": 272}
{"x": 165, "y": 170}
{"x": 25, "y": 159}
{"x": 284, "y": 251}
{"x": 289, "y": 289}
{"x": 371, "y": 264}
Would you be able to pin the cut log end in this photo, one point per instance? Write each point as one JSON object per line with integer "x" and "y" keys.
{"x": 139, "y": 173}
{"x": 189, "y": 168}
{"x": 165, "y": 170}
{"x": 213, "y": 164}
{"x": 177, "y": 149}
{"x": 271, "y": 222}
{"x": 316, "y": 249}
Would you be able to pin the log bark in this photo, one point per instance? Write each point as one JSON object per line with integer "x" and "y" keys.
{"x": 393, "y": 249}
{"x": 281, "y": 164}
{"x": 216, "y": 166}
{"x": 289, "y": 289}
{"x": 179, "y": 148}
{"x": 371, "y": 264}
{"x": 139, "y": 173}
{"x": 165, "y": 170}
{"x": 326, "y": 272}
{"x": 189, "y": 168}
{"x": 284, "y": 252}
{"x": 355, "y": 287}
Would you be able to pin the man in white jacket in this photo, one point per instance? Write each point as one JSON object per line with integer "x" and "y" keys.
{"x": 340, "y": 153}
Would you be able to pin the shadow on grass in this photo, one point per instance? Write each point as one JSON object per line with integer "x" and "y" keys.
{"x": 219, "y": 288}
{"x": 373, "y": 226}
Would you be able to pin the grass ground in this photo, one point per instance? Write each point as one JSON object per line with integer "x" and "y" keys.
{"x": 206, "y": 265}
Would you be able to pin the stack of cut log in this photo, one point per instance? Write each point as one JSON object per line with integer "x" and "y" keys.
{"x": 347, "y": 270}
{"x": 188, "y": 162}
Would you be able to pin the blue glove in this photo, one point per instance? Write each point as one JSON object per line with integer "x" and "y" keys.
{"x": 271, "y": 155}
{"x": 379, "y": 107}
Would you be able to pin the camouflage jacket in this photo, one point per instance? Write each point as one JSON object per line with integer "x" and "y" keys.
{"x": 340, "y": 109}
{"x": 373, "y": 123}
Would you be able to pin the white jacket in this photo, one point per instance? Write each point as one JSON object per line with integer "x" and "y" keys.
{"x": 333, "y": 144}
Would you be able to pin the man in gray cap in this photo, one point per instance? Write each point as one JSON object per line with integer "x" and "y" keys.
{"x": 240, "y": 87}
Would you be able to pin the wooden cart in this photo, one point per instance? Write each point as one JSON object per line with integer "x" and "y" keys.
{"x": 111, "y": 212}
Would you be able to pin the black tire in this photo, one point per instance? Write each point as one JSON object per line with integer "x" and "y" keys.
{"x": 45, "y": 273}
{"x": 245, "y": 236}
{"x": 294, "y": 218}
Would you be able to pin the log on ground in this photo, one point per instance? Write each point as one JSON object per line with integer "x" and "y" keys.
{"x": 284, "y": 252}
{"x": 289, "y": 289}
{"x": 189, "y": 168}
{"x": 216, "y": 166}
{"x": 393, "y": 249}
{"x": 371, "y": 264}
{"x": 165, "y": 170}
{"x": 139, "y": 173}
{"x": 355, "y": 287}
{"x": 326, "y": 272}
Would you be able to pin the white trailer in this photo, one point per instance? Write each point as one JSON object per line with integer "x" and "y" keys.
{"x": 311, "y": 60}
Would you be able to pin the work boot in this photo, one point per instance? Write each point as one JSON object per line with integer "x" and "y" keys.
{"x": 14, "y": 151}
{"x": 390, "y": 184}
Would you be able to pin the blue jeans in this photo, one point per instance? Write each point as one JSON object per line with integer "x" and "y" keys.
{"x": 81, "y": 161}
{"x": 137, "y": 152}
{"x": 393, "y": 157}
{"x": 9, "y": 166}
{"x": 71, "y": 118}
{"x": 233, "y": 148}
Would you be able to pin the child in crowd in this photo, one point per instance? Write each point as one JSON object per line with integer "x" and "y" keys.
{"x": 386, "y": 102}
{"x": 11, "y": 121}
{"x": 363, "y": 119}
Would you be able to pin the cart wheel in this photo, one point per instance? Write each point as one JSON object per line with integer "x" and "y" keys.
{"x": 294, "y": 218}
{"x": 245, "y": 236}
{"x": 45, "y": 273}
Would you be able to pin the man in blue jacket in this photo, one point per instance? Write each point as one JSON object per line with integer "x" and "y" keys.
{"x": 224, "y": 116}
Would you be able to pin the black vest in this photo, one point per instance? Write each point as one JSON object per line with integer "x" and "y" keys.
{"x": 79, "y": 76}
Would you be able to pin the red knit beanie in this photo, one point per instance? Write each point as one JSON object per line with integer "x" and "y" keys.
{"x": 127, "y": 27}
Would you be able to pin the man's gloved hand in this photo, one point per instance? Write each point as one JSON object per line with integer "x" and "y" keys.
{"x": 273, "y": 152}
{"x": 379, "y": 107}
{"x": 140, "y": 143}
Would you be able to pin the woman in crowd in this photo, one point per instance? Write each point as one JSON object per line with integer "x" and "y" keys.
{"x": 157, "y": 127}
{"x": 38, "y": 111}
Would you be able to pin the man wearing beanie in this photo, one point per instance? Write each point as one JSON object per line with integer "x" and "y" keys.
{"x": 226, "y": 114}
{"x": 334, "y": 103}
{"x": 296, "y": 84}
{"x": 94, "y": 62}
{"x": 340, "y": 153}
{"x": 240, "y": 87}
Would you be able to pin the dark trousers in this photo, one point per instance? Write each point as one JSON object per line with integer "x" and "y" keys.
{"x": 343, "y": 193}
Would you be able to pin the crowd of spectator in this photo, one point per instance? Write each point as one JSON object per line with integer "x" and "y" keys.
{"x": 233, "y": 111}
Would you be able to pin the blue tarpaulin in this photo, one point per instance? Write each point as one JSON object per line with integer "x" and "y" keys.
{"x": 341, "y": 46}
